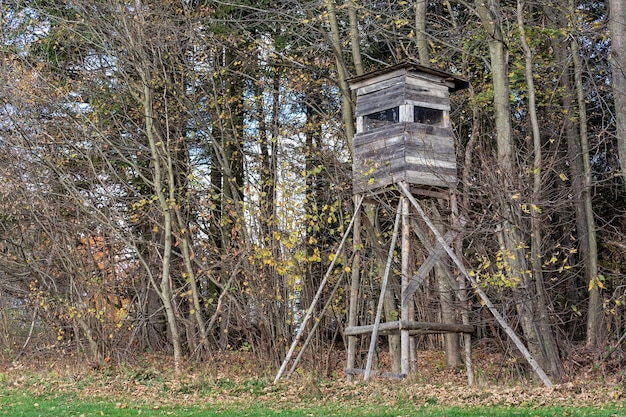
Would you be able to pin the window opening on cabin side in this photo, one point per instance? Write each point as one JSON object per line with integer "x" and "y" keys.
{"x": 381, "y": 118}
{"x": 428, "y": 116}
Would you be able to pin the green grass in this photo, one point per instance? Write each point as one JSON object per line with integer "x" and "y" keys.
{"x": 16, "y": 404}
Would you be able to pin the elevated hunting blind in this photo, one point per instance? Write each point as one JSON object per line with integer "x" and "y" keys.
{"x": 403, "y": 129}
{"x": 404, "y": 144}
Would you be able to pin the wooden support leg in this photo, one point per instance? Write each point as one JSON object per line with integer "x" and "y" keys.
{"x": 316, "y": 298}
{"x": 354, "y": 289}
{"x": 404, "y": 312}
{"x": 383, "y": 288}
{"x": 492, "y": 308}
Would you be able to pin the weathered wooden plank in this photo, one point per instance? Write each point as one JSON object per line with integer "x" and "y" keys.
{"x": 415, "y": 130}
{"x": 436, "y": 87}
{"x": 395, "y": 94}
{"x": 412, "y": 170}
{"x": 395, "y": 162}
{"x": 439, "y": 179}
{"x": 389, "y": 131}
{"x": 437, "y": 148}
{"x": 424, "y": 99}
{"x": 396, "y": 326}
{"x": 418, "y": 163}
{"x": 392, "y": 89}
{"x": 393, "y": 79}
{"x": 398, "y": 156}
{"x": 396, "y": 147}
{"x": 372, "y": 82}
{"x": 392, "y": 375}
{"x": 422, "y": 78}
{"x": 422, "y": 179}
{"x": 425, "y": 179}
{"x": 430, "y": 104}
{"x": 383, "y": 150}
{"x": 375, "y": 102}
{"x": 436, "y": 156}
{"x": 429, "y": 143}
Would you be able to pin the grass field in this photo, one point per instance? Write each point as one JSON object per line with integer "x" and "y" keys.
{"x": 16, "y": 404}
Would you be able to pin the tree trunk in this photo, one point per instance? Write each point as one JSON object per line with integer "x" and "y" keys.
{"x": 164, "y": 287}
{"x": 617, "y": 27}
{"x": 445, "y": 278}
{"x": 595, "y": 314}
{"x": 342, "y": 73}
{"x": 509, "y": 233}
{"x": 420, "y": 32}
{"x": 550, "y": 351}
{"x": 442, "y": 271}
{"x": 355, "y": 42}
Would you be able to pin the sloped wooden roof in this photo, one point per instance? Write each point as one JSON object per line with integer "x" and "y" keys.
{"x": 456, "y": 82}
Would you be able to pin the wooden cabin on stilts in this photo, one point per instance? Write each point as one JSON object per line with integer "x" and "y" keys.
{"x": 403, "y": 158}
{"x": 403, "y": 151}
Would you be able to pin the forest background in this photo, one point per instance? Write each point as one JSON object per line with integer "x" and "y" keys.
{"x": 176, "y": 176}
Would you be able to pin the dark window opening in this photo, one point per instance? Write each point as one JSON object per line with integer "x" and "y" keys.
{"x": 381, "y": 118}
{"x": 428, "y": 116}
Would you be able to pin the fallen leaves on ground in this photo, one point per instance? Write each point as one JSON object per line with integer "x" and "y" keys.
{"x": 224, "y": 386}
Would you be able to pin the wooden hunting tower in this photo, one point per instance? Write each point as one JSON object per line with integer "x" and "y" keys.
{"x": 404, "y": 147}
{"x": 403, "y": 129}
{"x": 404, "y": 143}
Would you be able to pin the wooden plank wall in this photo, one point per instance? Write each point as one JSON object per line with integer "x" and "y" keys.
{"x": 419, "y": 154}
{"x": 396, "y": 91}
{"x": 415, "y": 153}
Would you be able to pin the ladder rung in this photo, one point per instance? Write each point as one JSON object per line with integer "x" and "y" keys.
{"x": 420, "y": 327}
{"x": 352, "y": 371}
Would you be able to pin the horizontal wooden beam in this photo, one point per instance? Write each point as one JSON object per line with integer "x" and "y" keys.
{"x": 417, "y": 326}
{"x": 394, "y": 375}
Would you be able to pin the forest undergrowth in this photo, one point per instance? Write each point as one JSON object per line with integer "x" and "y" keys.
{"x": 230, "y": 378}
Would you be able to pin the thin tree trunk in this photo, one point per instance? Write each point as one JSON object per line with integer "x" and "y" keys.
{"x": 617, "y": 27}
{"x": 164, "y": 290}
{"x": 509, "y": 235}
{"x": 342, "y": 73}
{"x": 549, "y": 346}
{"x": 446, "y": 298}
{"x": 442, "y": 272}
{"x": 574, "y": 159}
{"x": 354, "y": 286}
{"x": 420, "y": 32}
{"x": 391, "y": 314}
{"x": 595, "y": 314}
{"x": 355, "y": 42}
